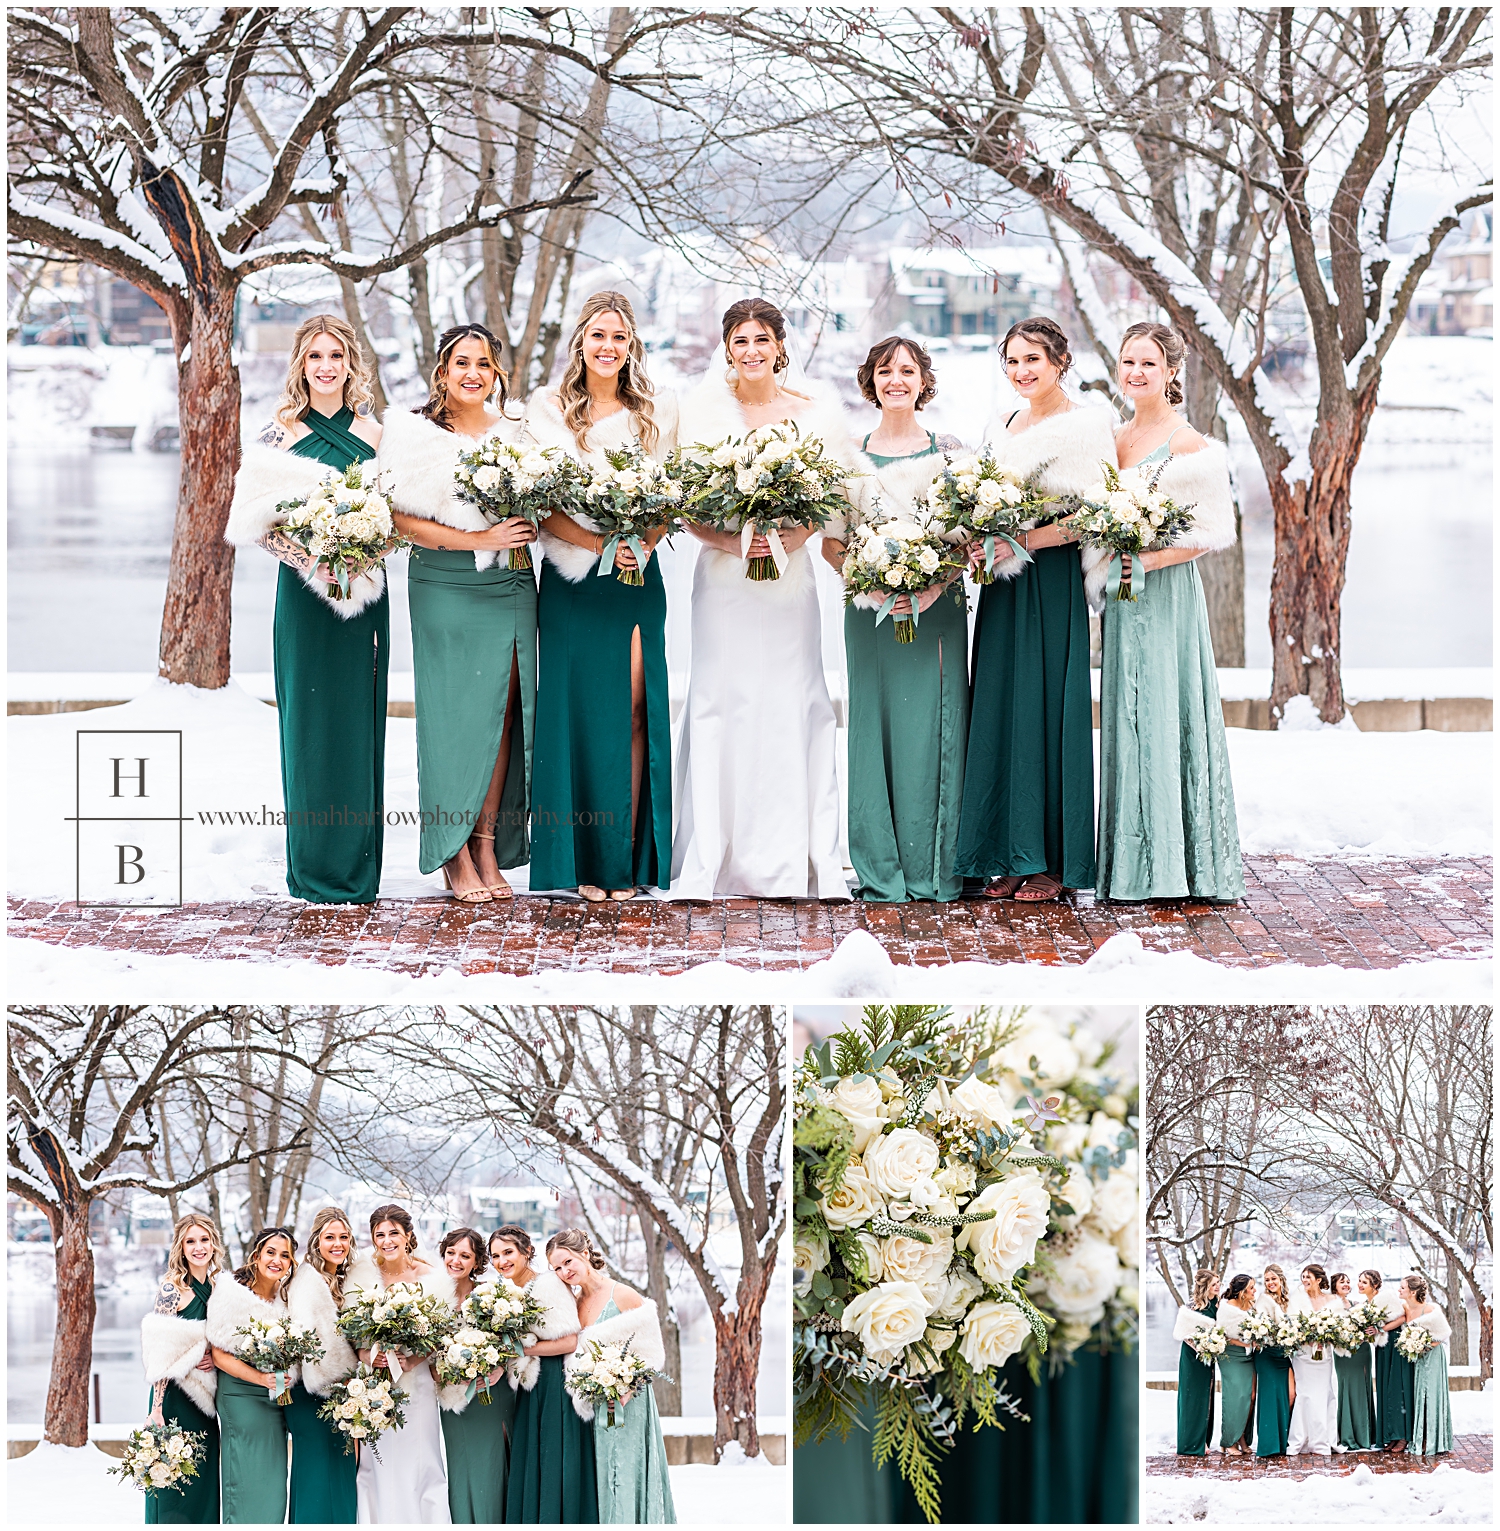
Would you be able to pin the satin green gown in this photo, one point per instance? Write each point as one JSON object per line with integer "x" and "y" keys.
{"x": 322, "y": 1489}
{"x": 1195, "y": 1396}
{"x": 197, "y": 1502}
{"x": 1273, "y": 1403}
{"x": 253, "y": 1454}
{"x": 1432, "y": 1413}
{"x": 635, "y": 1487}
{"x": 477, "y": 1444}
{"x": 908, "y": 725}
{"x": 1394, "y": 1386}
{"x": 581, "y": 785}
{"x": 469, "y": 628}
{"x": 1356, "y": 1399}
{"x": 330, "y": 709}
{"x": 1236, "y": 1388}
{"x": 552, "y": 1475}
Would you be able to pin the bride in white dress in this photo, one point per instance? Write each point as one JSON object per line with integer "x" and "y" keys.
{"x": 409, "y": 1484}
{"x": 757, "y": 777}
{"x": 1315, "y": 1412}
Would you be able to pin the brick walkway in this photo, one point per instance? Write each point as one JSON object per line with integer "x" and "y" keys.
{"x": 1472, "y": 1453}
{"x": 1365, "y": 914}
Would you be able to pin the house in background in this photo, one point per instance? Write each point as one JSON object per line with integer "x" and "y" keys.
{"x": 1457, "y": 295}
{"x": 968, "y": 297}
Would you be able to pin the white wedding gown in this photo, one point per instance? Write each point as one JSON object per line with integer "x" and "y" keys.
{"x": 1315, "y": 1412}
{"x": 409, "y": 1485}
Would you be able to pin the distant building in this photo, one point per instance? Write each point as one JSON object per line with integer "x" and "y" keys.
{"x": 129, "y": 317}
{"x": 1457, "y": 295}
{"x": 533, "y": 1207}
{"x": 968, "y": 295}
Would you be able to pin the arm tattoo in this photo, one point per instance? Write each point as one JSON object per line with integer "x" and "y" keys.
{"x": 280, "y": 546}
{"x": 273, "y": 435}
{"x": 166, "y": 1297}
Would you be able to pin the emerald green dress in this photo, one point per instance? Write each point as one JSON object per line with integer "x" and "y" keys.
{"x": 635, "y": 1487}
{"x": 322, "y": 1490}
{"x": 1237, "y": 1388}
{"x": 469, "y": 627}
{"x": 1273, "y": 1400}
{"x": 253, "y": 1453}
{"x": 1167, "y": 826}
{"x": 330, "y": 707}
{"x": 908, "y": 724}
{"x": 1432, "y": 1414}
{"x": 1356, "y": 1399}
{"x": 552, "y": 1475}
{"x": 477, "y": 1445}
{"x": 197, "y": 1502}
{"x": 1394, "y": 1388}
{"x": 1195, "y": 1396}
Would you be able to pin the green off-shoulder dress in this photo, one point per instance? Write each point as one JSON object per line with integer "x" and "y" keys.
{"x": 477, "y": 1444}
{"x": 197, "y": 1502}
{"x": 1273, "y": 1398}
{"x": 552, "y": 1474}
{"x": 324, "y": 1484}
{"x": 635, "y": 1487}
{"x": 330, "y": 707}
{"x": 1237, "y": 1390}
{"x": 1195, "y": 1396}
{"x": 1432, "y": 1411}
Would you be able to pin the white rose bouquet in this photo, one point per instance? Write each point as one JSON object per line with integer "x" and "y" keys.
{"x": 504, "y": 1311}
{"x": 1345, "y": 1336}
{"x": 1126, "y": 513}
{"x": 276, "y": 1346}
{"x": 1209, "y": 1344}
{"x": 974, "y": 498}
{"x": 1413, "y": 1341}
{"x": 503, "y": 479}
{"x": 607, "y": 1374}
{"x": 1260, "y": 1329}
{"x": 363, "y": 1407}
{"x": 628, "y": 497}
{"x": 344, "y": 523}
{"x": 1321, "y": 1328}
{"x": 759, "y": 484}
{"x": 401, "y": 1320}
{"x": 896, "y": 556}
{"x": 161, "y": 1457}
{"x": 469, "y": 1355}
{"x": 1369, "y": 1316}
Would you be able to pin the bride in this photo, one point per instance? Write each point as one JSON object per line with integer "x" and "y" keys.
{"x": 409, "y": 1483}
{"x": 757, "y": 779}
{"x": 1315, "y": 1411}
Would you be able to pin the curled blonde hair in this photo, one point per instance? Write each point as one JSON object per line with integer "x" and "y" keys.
{"x": 1285, "y": 1298}
{"x": 632, "y": 386}
{"x": 1202, "y": 1281}
{"x": 333, "y": 1275}
{"x": 576, "y": 1242}
{"x": 295, "y": 398}
{"x": 177, "y": 1266}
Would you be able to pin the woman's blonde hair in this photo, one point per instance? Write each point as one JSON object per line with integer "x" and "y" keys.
{"x": 1286, "y": 1294}
{"x": 1202, "y": 1282}
{"x": 1173, "y": 350}
{"x": 576, "y": 1242}
{"x": 632, "y": 386}
{"x": 295, "y": 399}
{"x": 333, "y": 1275}
{"x": 177, "y": 1266}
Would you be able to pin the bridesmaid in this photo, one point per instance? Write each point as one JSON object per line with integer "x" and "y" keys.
{"x": 331, "y": 657}
{"x": 1236, "y": 1371}
{"x": 601, "y": 803}
{"x": 322, "y": 1489}
{"x": 476, "y": 1437}
{"x": 1195, "y": 1381}
{"x": 1275, "y": 1386}
{"x": 1027, "y": 823}
{"x": 1167, "y": 825}
{"x": 1394, "y": 1380}
{"x": 552, "y": 1474}
{"x": 631, "y": 1458}
{"x": 1356, "y": 1391}
{"x": 1431, "y": 1417}
{"x": 908, "y": 702}
{"x": 180, "y": 1369}
{"x": 253, "y": 1426}
{"x": 473, "y": 626}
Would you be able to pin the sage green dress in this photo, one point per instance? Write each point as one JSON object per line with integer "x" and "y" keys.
{"x": 1195, "y": 1396}
{"x": 253, "y": 1454}
{"x": 1237, "y": 1389}
{"x": 908, "y": 724}
{"x": 635, "y": 1488}
{"x": 322, "y": 1490}
{"x": 1167, "y": 826}
{"x": 552, "y": 1476}
{"x": 1273, "y": 1401}
{"x": 197, "y": 1502}
{"x": 1394, "y": 1388}
{"x": 1356, "y": 1399}
{"x": 330, "y": 708}
{"x": 469, "y": 628}
{"x": 1432, "y": 1414}
{"x": 477, "y": 1445}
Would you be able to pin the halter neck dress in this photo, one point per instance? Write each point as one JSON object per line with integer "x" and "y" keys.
{"x": 1195, "y": 1395}
{"x": 196, "y": 1503}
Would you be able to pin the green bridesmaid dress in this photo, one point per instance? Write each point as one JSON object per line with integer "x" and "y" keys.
{"x": 630, "y": 1456}
{"x": 1167, "y": 825}
{"x": 1195, "y": 1396}
{"x": 834, "y": 1481}
{"x": 908, "y": 725}
{"x": 1356, "y": 1399}
{"x": 477, "y": 1445}
{"x": 551, "y": 1476}
{"x": 197, "y": 1502}
{"x": 330, "y": 707}
{"x": 1432, "y": 1413}
{"x": 1394, "y": 1386}
{"x": 469, "y": 628}
{"x": 1273, "y": 1402}
{"x": 322, "y": 1490}
{"x": 253, "y": 1453}
{"x": 1237, "y": 1388}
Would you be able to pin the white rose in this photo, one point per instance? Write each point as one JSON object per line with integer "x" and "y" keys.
{"x": 1011, "y": 494}
{"x": 1007, "y": 1242}
{"x": 962, "y": 1288}
{"x": 896, "y": 1161}
{"x": 1114, "y": 1203}
{"x": 1078, "y": 1194}
{"x": 160, "y": 1474}
{"x": 810, "y": 1253}
{"x": 856, "y": 1200}
{"x": 1056, "y": 1057}
{"x": 534, "y": 465}
{"x": 937, "y": 1341}
{"x": 928, "y": 560}
{"x": 964, "y": 467}
{"x": 928, "y": 1196}
{"x": 926, "y": 1265}
{"x": 628, "y": 480}
{"x": 887, "y": 1319}
{"x": 992, "y": 1333}
{"x": 1083, "y": 1277}
{"x": 859, "y": 1100}
{"x": 956, "y": 1179}
{"x": 981, "y": 1103}
{"x": 988, "y": 493}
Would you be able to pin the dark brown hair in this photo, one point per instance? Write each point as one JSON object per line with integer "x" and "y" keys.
{"x": 1374, "y": 1278}
{"x": 577, "y": 1242}
{"x": 759, "y": 311}
{"x": 514, "y": 1233}
{"x": 436, "y": 407}
{"x": 476, "y": 1243}
{"x": 882, "y": 353}
{"x": 1338, "y": 1276}
{"x": 1173, "y": 349}
{"x": 1048, "y": 334}
{"x": 245, "y": 1275}
{"x": 402, "y": 1218}
{"x": 1237, "y": 1284}
{"x": 1319, "y": 1274}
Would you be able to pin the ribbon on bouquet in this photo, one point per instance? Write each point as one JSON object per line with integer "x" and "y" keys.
{"x": 611, "y": 547}
{"x": 1113, "y": 583}
{"x": 779, "y": 554}
{"x": 279, "y": 1390}
{"x": 393, "y": 1366}
{"x": 1020, "y": 554}
{"x": 890, "y": 606}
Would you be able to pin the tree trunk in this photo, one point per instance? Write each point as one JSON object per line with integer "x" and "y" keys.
{"x": 1458, "y": 1350}
{"x": 736, "y": 1367}
{"x": 73, "y": 1343}
{"x": 1486, "y": 1340}
{"x": 195, "y": 617}
{"x": 668, "y": 1394}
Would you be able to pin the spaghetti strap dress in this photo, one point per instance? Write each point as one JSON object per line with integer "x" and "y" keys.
{"x": 635, "y": 1487}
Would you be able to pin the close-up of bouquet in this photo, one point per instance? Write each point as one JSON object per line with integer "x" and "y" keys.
{"x": 503, "y": 479}
{"x": 1321, "y": 1330}
{"x": 1209, "y": 1344}
{"x": 1346, "y": 1336}
{"x": 628, "y": 497}
{"x": 363, "y": 1407}
{"x": 1413, "y": 1341}
{"x": 1369, "y": 1317}
{"x": 890, "y": 557}
{"x": 160, "y": 1457}
{"x": 400, "y": 1320}
{"x": 504, "y": 1311}
{"x": 975, "y": 499}
{"x": 276, "y": 1347}
{"x": 768, "y": 481}
{"x": 1126, "y": 513}
{"x": 1271, "y": 1331}
{"x": 469, "y": 1356}
{"x": 345, "y": 523}
{"x": 605, "y": 1373}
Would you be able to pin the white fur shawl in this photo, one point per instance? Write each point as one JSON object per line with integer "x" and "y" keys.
{"x": 364, "y": 1276}
{"x": 1230, "y": 1318}
{"x": 559, "y": 1320}
{"x": 1190, "y": 1322}
{"x": 268, "y": 476}
{"x": 1436, "y": 1325}
{"x": 455, "y": 1397}
{"x": 232, "y": 1305}
{"x": 171, "y": 1348}
{"x": 640, "y": 1326}
{"x": 311, "y": 1305}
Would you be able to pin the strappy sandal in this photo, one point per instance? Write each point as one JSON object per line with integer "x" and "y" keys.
{"x": 499, "y": 891}
{"x": 587, "y": 890}
{"x": 1048, "y": 888}
{"x": 1003, "y": 887}
{"x": 473, "y": 896}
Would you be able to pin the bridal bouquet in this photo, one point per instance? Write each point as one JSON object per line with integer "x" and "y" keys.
{"x": 469, "y": 1355}
{"x": 769, "y": 480}
{"x": 160, "y": 1457}
{"x": 503, "y": 480}
{"x": 504, "y": 1311}
{"x": 1347, "y": 1336}
{"x": 1271, "y": 1331}
{"x": 1414, "y": 1341}
{"x": 975, "y": 498}
{"x": 1369, "y": 1316}
{"x": 607, "y": 1373}
{"x": 276, "y": 1347}
{"x": 401, "y": 1320}
{"x": 363, "y": 1407}
{"x": 627, "y": 498}
{"x": 889, "y": 558}
{"x": 1127, "y": 513}
{"x": 344, "y": 523}
{"x": 1209, "y": 1344}
{"x": 1320, "y": 1329}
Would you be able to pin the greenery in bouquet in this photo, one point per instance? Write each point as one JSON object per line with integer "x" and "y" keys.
{"x": 975, "y": 499}
{"x": 1345, "y": 1335}
{"x": 1259, "y": 1328}
{"x": 276, "y": 1346}
{"x": 363, "y": 1407}
{"x": 504, "y": 1310}
{"x": 1413, "y": 1341}
{"x": 629, "y": 496}
{"x": 1127, "y": 513}
{"x": 892, "y": 556}
{"x": 160, "y": 1457}
{"x": 1321, "y": 1329}
{"x": 469, "y": 1355}
{"x": 504, "y": 479}
{"x": 400, "y": 1320}
{"x": 1369, "y": 1316}
{"x": 345, "y": 523}
{"x": 1209, "y": 1344}
{"x": 606, "y": 1374}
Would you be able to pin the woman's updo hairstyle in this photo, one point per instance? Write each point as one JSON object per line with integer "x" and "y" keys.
{"x": 514, "y": 1233}
{"x": 577, "y": 1242}
{"x": 476, "y": 1243}
{"x": 402, "y": 1218}
{"x": 1318, "y": 1274}
{"x": 436, "y": 407}
{"x": 1417, "y": 1286}
{"x": 882, "y": 354}
{"x": 1237, "y": 1285}
{"x": 1173, "y": 349}
{"x": 757, "y": 311}
{"x": 1373, "y": 1277}
{"x": 1046, "y": 333}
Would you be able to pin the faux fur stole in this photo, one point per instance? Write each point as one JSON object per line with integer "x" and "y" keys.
{"x": 1230, "y": 1317}
{"x": 1189, "y": 1322}
{"x": 895, "y": 488}
{"x": 1436, "y": 1325}
{"x": 171, "y": 1348}
{"x": 311, "y": 1305}
{"x": 268, "y": 476}
{"x": 233, "y": 1305}
{"x": 640, "y": 1326}
{"x": 559, "y": 1320}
